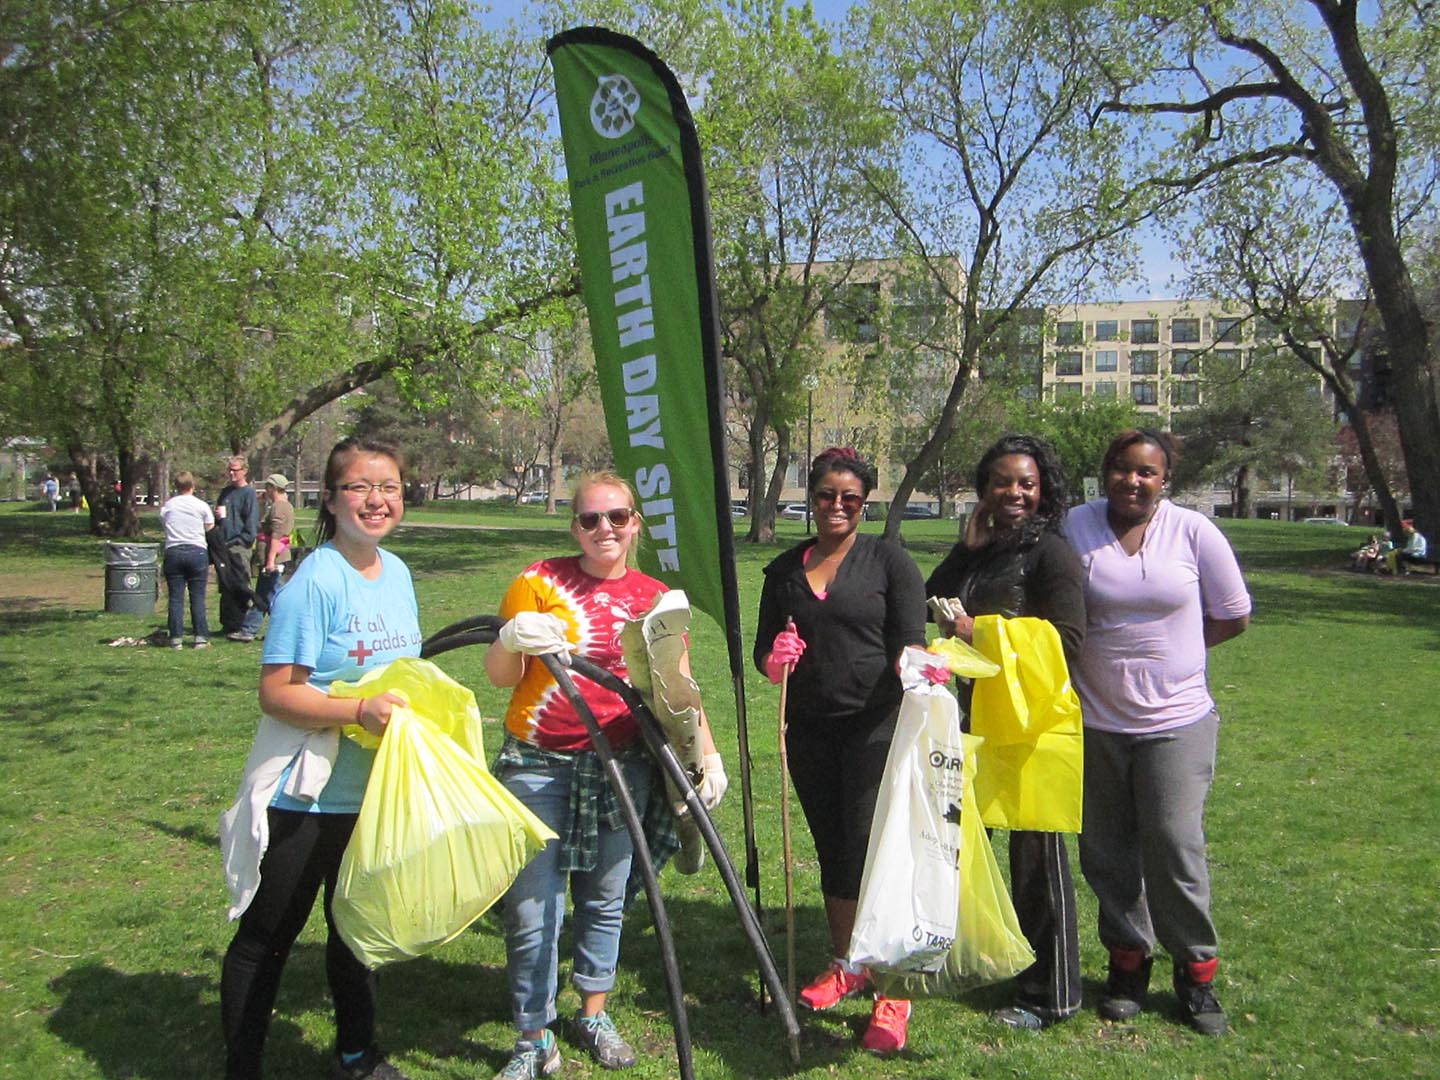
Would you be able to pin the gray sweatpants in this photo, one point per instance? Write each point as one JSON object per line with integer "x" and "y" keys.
{"x": 1143, "y": 846}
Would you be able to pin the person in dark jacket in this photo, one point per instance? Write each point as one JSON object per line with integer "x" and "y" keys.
{"x": 1013, "y": 561}
{"x": 856, "y": 603}
{"x": 237, "y": 512}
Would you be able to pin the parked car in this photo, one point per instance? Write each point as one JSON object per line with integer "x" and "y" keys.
{"x": 919, "y": 510}
{"x": 1324, "y": 521}
{"x": 739, "y": 508}
{"x": 793, "y": 511}
{"x": 532, "y": 498}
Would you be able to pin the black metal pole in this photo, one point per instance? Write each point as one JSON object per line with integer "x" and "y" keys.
{"x": 481, "y": 630}
{"x": 678, "y": 1017}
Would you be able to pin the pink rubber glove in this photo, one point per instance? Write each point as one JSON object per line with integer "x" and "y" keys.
{"x": 938, "y": 674}
{"x": 787, "y": 650}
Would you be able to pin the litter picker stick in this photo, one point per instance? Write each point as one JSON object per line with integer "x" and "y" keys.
{"x": 785, "y": 838}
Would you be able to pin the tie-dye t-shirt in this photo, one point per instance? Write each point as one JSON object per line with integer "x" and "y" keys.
{"x": 594, "y": 610}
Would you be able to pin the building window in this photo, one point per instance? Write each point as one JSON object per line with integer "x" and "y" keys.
{"x": 1184, "y": 362}
{"x": 1228, "y": 328}
{"x": 1185, "y": 331}
{"x": 1030, "y": 333}
{"x": 1105, "y": 389}
{"x": 1144, "y": 363}
{"x": 1144, "y": 331}
{"x": 1107, "y": 330}
{"x": 1142, "y": 393}
{"x": 1107, "y": 360}
{"x": 1185, "y": 393}
{"x": 1068, "y": 391}
{"x": 850, "y": 314}
{"x": 1069, "y": 333}
{"x": 1068, "y": 363}
{"x": 1228, "y": 359}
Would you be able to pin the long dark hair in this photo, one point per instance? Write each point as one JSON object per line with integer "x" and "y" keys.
{"x": 841, "y": 459}
{"x": 1054, "y": 493}
{"x": 340, "y": 456}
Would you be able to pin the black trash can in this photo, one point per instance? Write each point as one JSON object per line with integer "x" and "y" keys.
{"x": 132, "y": 578}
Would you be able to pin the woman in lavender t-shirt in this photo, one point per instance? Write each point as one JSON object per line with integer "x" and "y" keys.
{"x": 1161, "y": 587}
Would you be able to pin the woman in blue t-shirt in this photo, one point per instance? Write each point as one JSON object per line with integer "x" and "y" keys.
{"x": 349, "y": 609}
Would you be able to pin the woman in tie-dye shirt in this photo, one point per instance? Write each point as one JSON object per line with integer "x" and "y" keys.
{"x": 575, "y": 603}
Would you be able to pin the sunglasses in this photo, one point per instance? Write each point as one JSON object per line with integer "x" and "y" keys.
{"x": 849, "y": 501}
{"x": 619, "y": 517}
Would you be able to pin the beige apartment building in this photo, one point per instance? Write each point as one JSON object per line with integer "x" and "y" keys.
{"x": 1150, "y": 352}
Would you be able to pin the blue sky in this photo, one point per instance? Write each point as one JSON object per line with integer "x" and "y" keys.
{"x": 1157, "y": 266}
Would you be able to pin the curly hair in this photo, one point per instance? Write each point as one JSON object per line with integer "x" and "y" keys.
{"x": 1054, "y": 490}
{"x": 841, "y": 459}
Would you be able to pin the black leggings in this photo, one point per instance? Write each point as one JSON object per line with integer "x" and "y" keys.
{"x": 837, "y": 771}
{"x": 304, "y": 853}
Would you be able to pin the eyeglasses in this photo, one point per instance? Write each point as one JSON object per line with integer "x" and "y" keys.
{"x": 619, "y": 517}
{"x": 361, "y": 489}
{"x": 849, "y": 501}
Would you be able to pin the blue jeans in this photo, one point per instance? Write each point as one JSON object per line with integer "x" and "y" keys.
{"x": 266, "y": 587}
{"x": 535, "y": 903}
{"x": 187, "y": 566}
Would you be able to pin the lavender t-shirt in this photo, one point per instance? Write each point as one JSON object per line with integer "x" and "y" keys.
{"x": 1142, "y": 667}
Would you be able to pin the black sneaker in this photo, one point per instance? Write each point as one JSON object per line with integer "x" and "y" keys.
{"x": 1199, "y": 1005}
{"x": 1125, "y": 991}
{"x": 371, "y": 1066}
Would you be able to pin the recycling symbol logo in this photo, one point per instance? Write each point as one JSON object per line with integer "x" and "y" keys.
{"x": 613, "y": 108}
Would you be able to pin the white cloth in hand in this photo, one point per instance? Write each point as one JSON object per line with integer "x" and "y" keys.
{"x": 536, "y": 633}
{"x": 714, "y": 784}
{"x": 946, "y": 608}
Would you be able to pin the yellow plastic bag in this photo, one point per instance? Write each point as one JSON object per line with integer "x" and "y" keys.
{"x": 438, "y": 839}
{"x": 1031, "y": 765}
{"x": 962, "y": 658}
{"x": 988, "y": 946}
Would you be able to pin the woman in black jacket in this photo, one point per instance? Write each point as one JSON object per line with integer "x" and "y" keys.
{"x": 1012, "y": 561}
{"x": 856, "y": 602}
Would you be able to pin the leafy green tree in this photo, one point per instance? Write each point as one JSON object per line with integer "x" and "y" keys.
{"x": 1345, "y": 90}
{"x": 1261, "y": 417}
{"x": 1006, "y": 173}
{"x": 786, "y": 126}
{"x": 1265, "y": 240}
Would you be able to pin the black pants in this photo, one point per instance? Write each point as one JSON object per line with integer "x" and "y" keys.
{"x": 1044, "y": 894}
{"x": 837, "y": 771}
{"x": 303, "y": 855}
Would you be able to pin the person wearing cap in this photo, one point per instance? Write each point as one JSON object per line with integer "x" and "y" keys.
{"x": 272, "y": 550}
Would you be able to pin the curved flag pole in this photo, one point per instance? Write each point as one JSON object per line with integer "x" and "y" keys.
{"x": 481, "y": 630}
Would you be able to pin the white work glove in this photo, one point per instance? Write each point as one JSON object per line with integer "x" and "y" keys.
{"x": 536, "y": 633}
{"x": 714, "y": 784}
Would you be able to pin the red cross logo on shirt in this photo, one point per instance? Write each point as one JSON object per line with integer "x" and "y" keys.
{"x": 360, "y": 652}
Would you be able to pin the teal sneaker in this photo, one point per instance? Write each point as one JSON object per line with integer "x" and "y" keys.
{"x": 531, "y": 1059}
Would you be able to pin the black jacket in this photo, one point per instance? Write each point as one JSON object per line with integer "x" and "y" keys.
{"x": 874, "y": 608}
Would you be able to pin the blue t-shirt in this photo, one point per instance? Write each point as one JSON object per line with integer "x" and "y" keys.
{"x": 340, "y": 625}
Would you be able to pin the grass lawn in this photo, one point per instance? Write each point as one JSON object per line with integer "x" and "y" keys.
{"x": 117, "y": 761}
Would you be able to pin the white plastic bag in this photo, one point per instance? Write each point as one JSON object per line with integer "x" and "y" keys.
{"x": 910, "y": 891}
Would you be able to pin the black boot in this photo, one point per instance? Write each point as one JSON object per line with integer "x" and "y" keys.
{"x": 1127, "y": 986}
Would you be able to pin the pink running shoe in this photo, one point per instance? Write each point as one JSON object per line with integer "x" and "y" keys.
{"x": 889, "y": 1023}
{"x": 832, "y": 987}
